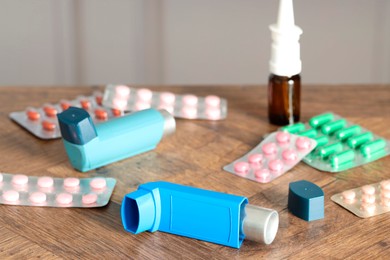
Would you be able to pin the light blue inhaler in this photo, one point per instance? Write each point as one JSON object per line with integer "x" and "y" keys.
{"x": 89, "y": 146}
{"x": 206, "y": 215}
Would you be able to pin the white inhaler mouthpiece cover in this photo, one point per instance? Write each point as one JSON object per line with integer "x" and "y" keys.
{"x": 285, "y": 49}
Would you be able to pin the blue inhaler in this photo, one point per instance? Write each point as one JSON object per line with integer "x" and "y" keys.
{"x": 91, "y": 146}
{"x": 201, "y": 214}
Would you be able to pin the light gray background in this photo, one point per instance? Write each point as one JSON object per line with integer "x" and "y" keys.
{"x": 67, "y": 42}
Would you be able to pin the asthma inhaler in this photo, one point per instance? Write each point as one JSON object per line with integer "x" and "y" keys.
{"x": 89, "y": 146}
{"x": 196, "y": 213}
{"x": 284, "y": 85}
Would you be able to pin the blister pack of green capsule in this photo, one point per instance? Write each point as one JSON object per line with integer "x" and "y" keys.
{"x": 341, "y": 144}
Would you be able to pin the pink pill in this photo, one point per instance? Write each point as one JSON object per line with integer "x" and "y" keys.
{"x": 167, "y": 98}
{"x": 262, "y": 175}
{"x": 212, "y": 101}
{"x": 64, "y": 198}
{"x": 89, "y": 198}
{"x": 348, "y": 195}
{"x": 289, "y": 155}
{"x": 141, "y": 105}
{"x": 45, "y": 182}
{"x": 145, "y": 94}
{"x": 190, "y": 100}
{"x": 282, "y": 137}
{"x": 303, "y": 143}
{"x": 11, "y": 195}
{"x": 385, "y": 202}
{"x": 167, "y": 107}
{"x": 20, "y": 179}
{"x": 370, "y": 208}
{"x": 369, "y": 199}
{"x": 241, "y": 167}
{"x": 1, "y": 177}
{"x": 213, "y": 113}
{"x": 269, "y": 148}
{"x": 98, "y": 183}
{"x": 368, "y": 190}
{"x": 38, "y": 197}
{"x": 119, "y": 104}
{"x": 385, "y": 194}
{"x": 385, "y": 185}
{"x": 189, "y": 112}
{"x": 71, "y": 182}
{"x": 122, "y": 91}
{"x": 256, "y": 159}
{"x": 276, "y": 165}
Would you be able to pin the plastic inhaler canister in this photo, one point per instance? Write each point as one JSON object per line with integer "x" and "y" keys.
{"x": 90, "y": 146}
{"x": 196, "y": 213}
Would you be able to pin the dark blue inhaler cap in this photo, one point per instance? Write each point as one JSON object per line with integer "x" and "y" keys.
{"x": 76, "y": 126}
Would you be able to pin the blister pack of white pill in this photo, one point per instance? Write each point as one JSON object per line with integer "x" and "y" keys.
{"x": 366, "y": 201}
{"x": 19, "y": 189}
{"x": 189, "y": 106}
{"x": 274, "y": 156}
{"x": 42, "y": 122}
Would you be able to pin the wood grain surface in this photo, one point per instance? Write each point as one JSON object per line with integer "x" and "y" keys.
{"x": 194, "y": 155}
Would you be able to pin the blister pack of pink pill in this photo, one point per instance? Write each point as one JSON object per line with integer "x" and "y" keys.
{"x": 42, "y": 122}
{"x": 19, "y": 189}
{"x": 125, "y": 98}
{"x": 275, "y": 155}
{"x": 366, "y": 201}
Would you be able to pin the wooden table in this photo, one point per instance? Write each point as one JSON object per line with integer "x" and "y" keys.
{"x": 194, "y": 155}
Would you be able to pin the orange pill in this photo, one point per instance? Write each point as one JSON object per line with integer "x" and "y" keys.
{"x": 50, "y": 110}
{"x": 99, "y": 99}
{"x": 101, "y": 114}
{"x": 64, "y": 104}
{"x": 48, "y": 126}
{"x": 116, "y": 112}
{"x": 85, "y": 103}
{"x": 32, "y": 114}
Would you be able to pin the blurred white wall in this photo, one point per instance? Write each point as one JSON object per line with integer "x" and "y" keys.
{"x": 46, "y": 42}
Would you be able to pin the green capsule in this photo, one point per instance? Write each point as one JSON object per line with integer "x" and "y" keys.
{"x": 348, "y": 132}
{"x": 330, "y": 149}
{"x": 322, "y": 140}
{"x": 341, "y": 158}
{"x": 309, "y": 133}
{"x": 319, "y": 120}
{"x": 295, "y": 128}
{"x": 372, "y": 147}
{"x": 332, "y": 127}
{"x": 358, "y": 140}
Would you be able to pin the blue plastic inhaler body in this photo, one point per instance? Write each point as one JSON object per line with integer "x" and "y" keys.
{"x": 89, "y": 146}
{"x": 206, "y": 215}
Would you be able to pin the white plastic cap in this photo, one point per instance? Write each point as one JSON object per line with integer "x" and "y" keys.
{"x": 285, "y": 49}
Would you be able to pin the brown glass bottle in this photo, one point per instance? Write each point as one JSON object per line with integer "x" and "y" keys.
{"x": 284, "y": 95}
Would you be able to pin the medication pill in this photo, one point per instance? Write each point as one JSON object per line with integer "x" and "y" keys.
{"x": 303, "y": 143}
{"x": 385, "y": 194}
{"x": 213, "y": 113}
{"x": 89, "y": 198}
{"x": 122, "y": 92}
{"x": 358, "y": 140}
{"x": 119, "y": 104}
{"x": 144, "y": 94}
{"x": 37, "y": 197}
{"x": 368, "y": 190}
{"x": 369, "y": 199}
{"x": 11, "y": 195}
{"x": 212, "y": 101}
{"x": 319, "y": 120}
{"x": 269, "y": 149}
{"x": 282, "y": 137}
{"x": 99, "y": 99}
{"x": 342, "y": 157}
{"x": 321, "y": 140}
{"x": 385, "y": 185}
{"x": 368, "y": 207}
{"x": 20, "y": 179}
{"x": 45, "y": 182}
{"x": 348, "y": 132}
{"x": 167, "y": 98}
{"x": 256, "y": 159}
{"x": 295, "y": 128}
{"x": 116, "y": 112}
{"x": 141, "y": 105}
{"x": 190, "y": 100}
{"x": 71, "y": 182}
{"x": 50, "y": 111}
{"x": 289, "y": 155}
{"x": 372, "y": 147}
{"x": 189, "y": 112}
{"x": 262, "y": 175}
{"x": 85, "y": 103}
{"x": 332, "y": 127}
{"x": 167, "y": 107}
{"x": 64, "y": 198}
{"x": 98, "y": 183}
{"x": 65, "y": 104}
{"x": 348, "y": 195}
{"x": 329, "y": 149}
{"x": 309, "y": 133}
{"x": 101, "y": 114}
{"x": 48, "y": 125}
{"x": 276, "y": 165}
{"x": 32, "y": 114}
{"x": 241, "y": 167}
{"x": 385, "y": 202}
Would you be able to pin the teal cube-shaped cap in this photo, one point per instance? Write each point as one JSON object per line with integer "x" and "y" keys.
{"x": 76, "y": 126}
{"x": 306, "y": 200}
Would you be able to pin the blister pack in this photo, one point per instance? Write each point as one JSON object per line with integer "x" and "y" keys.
{"x": 366, "y": 201}
{"x": 19, "y": 189}
{"x": 275, "y": 155}
{"x": 42, "y": 122}
{"x": 125, "y": 98}
{"x": 341, "y": 144}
